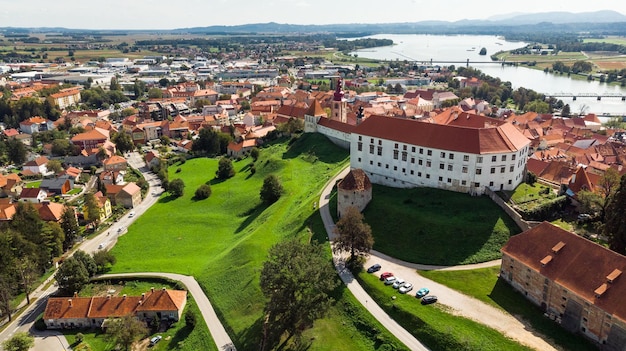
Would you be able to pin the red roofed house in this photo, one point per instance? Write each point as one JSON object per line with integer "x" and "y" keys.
{"x": 7, "y": 209}
{"x": 577, "y": 282}
{"x": 91, "y": 139}
{"x": 36, "y": 124}
{"x": 37, "y": 166}
{"x": 91, "y": 312}
{"x": 50, "y": 211}
{"x": 10, "y": 185}
{"x": 238, "y": 149}
{"x": 33, "y": 195}
{"x": 115, "y": 163}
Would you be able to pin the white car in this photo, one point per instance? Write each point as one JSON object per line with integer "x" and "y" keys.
{"x": 390, "y": 280}
{"x": 101, "y": 246}
{"x": 405, "y": 288}
{"x": 131, "y": 214}
{"x": 398, "y": 283}
{"x": 154, "y": 340}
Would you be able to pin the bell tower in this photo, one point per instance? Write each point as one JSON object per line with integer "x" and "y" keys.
{"x": 339, "y": 108}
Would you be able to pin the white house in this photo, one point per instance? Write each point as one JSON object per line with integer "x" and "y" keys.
{"x": 407, "y": 153}
{"x": 37, "y": 166}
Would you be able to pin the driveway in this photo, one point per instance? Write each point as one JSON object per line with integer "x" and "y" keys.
{"x": 459, "y": 303}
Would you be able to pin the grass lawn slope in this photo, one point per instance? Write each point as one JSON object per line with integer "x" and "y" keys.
{"x": 432, "y": 226}
{"x": 223, "y": 240}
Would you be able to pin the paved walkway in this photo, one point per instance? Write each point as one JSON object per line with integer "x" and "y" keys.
{"x": 221, "y": 338}
{"x": 460, "y": 304}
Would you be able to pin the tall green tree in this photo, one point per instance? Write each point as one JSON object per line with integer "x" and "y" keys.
{"x": 70, "y": 227}
{"x": 54, "y": 166}
{"x": 87, "y": 261}
{"x": 353, "y": 234}
{"x": 225, "y": 168}
{"x": 71, "y": 276}
{"x": 615, "y": 221}
{"x": 176, "y": 187}
{"x": 271, "y": 190}
{"x": 7, "y": 293}
{"x": 297, "y": 280}
{"x": 92, "y": 208}
{"x": 16, "y": 151}
{"x": 125, "y": 331}
{"x": 27, "y": 274}
{"x": 21, "y": 341}
{"x": 123, "y": 142}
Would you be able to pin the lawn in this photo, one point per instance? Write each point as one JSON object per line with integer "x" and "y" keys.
{"x": 224, "y": 239}
{"x": 484, "y": 285}
{"x": 525, "y": 193}
{"x": 432, "y": 226}
{"x": 609, "y": 40}
{"x": 33, "y": 184}
{"x": 432, "y": 324}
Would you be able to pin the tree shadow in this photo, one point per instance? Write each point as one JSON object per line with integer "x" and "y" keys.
{"x": 167, "y": 199}
{"x": 180, "y": 336}
{"x": 251, "y": 214}
{"x": 217, "y": 180}
{"x": 250, "y": 338}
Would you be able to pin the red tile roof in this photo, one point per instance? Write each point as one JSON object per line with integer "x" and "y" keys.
{"x": 356, "y": 179}
{"x": 504, "y": 138}
{"x": 580, "y": 266}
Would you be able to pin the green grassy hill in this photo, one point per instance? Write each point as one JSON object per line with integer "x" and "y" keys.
{"x": 223, "y": 240}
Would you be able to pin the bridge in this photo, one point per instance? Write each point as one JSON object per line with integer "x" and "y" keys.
{"x": 598, "y": 97}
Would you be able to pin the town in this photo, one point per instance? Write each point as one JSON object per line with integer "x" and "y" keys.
{"x": 139, "y": 185}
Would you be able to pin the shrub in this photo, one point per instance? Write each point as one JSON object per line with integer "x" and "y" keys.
{"x": 252, "y": 169}
{"x": 176, "y": 187}
{"x": 272, "y": 189}
{"x": 254, "y": 153}
{"x": 225, "y": 169}
{"x": 190, "y": 319}
{"x": 203, "y": 192}
{"x": 178, "y": 170}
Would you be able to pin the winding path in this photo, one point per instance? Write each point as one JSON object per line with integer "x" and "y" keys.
{"x": 221, "y": 338}
{"x": 459, "y": 303}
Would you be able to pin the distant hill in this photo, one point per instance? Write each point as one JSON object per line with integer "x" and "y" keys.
{"x": 606, "y": 22}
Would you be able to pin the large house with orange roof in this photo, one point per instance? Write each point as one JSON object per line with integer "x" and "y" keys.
{"x": 35, "y": 125}
{"x": 91, "y": 139}
{"x": 66, "y": 97}
{"x": 115, "y": 163}
{"x": 91, "y": 312}
{"x": 576, "y": 282}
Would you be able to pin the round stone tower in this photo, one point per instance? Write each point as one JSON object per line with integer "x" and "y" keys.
{"x": 354, "y": 190}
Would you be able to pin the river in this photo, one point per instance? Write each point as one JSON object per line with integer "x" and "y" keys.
{"x": 418, "y": 47}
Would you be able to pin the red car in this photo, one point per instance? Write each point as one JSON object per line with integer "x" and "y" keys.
{"x": 385, "y": 275}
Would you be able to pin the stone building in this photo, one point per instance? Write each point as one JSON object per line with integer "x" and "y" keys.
{"x": 353, "y": 190}
{"x": 576, "y": 282}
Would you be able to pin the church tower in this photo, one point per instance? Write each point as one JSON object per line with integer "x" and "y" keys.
{"x": 339, "y": 108}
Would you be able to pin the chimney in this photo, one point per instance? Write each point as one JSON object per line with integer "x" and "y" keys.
{"x": 124, "y": 296}
{"x": 152, "y": 289}
{"x": 70, "y": 302}
{"x": 108, "y": 296}
{"x": 75, "y": 294}
{"x": 163, "y": 289}
{"x": 143, "y": 296}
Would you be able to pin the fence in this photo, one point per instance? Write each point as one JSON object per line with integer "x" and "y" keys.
{"x": 517, "y": 218}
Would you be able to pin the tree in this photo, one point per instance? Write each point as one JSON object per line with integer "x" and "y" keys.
{"x": 483, "y": 51}
{"x": 54, "y": 166}
{"x": 254, "y": 153}
{"x": 61, "y": 147}
{"x": 207, "y": 142}
{"x": 71, "y": 276}
{"x": 126, "y": 330}
{"x": 123, "y": 142}
{"x": 297, "y": 280}
{"x": 155, "y": 93}
{"x": 16, "y": 151}
{"x": 565, "y": 112}
{"x": 176, "y": 187}
{"x": 103, "y": 259}
{"x": 114, "y": 84}
{"x": 271, "y": 190}
{"x": 70, "y": 227}
{"x": 203, "y": 192}
{"x": 353, "y": 234}
{"x": 92, "y": 208}
{"x": 615, "y": 221}
{"x": 21, "y": 341}
{"x": 7, "y": 292}
{"x": 27, "y": 273}
{"x": 225, "y": 168}
{"x": 88, "y": 262}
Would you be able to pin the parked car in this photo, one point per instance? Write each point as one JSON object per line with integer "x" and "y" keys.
{"x": 131, "y": 214}
{"x": 389, "y": 280}
{"x": 427, "y": 300}
{"x": 375, "y": 268}
{"x": 584, "y": 217}
{"x": 422, "y": 292}
{"x": 398, "y": 283}
{"x": 405, "y": 288}
{"x": 154, "y": 340}
{"x": 385, "y": 275}
{"x": 101, "y": 246}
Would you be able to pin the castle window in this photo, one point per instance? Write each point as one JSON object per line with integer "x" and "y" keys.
{"x": 412, "y": 172}
{"x": 395, "y": 168}
{"x": 502, "y": 169}
{"x": 493, "y": 170}
{"x": 379, "y": 164}
{"x": 419, "y": 162}
{"x": 395, "y": 154}
{"x": 404, "y": 147}
{"x": 412, "y": 159}
{"x": 480, "y": 159}
{"x": 386, "y": 166}
{"x": 479, "y": 171}
{"x": 360, "y": 138}
{"x": 463, "y": 182}
{"x": 421, "y": 150}
{"x": 372, "y": 149}
{"x": 360, "y": 146}
{"x": 428, "y": 164}
{"x": 380, "y": 142}
{"x": 404, "y": 155}
{"x": 441, "y": 166}
{"x": 449, "y": 180}
{"x": 359, "y": 160}
{"x": 513, "y": 157}
{"x": 466, "y": 158}
{"x": 380, "y": 151}
{"x": 494, "y": 158}
{"x": 503, "y": 158}
{"x": 476, "y": 185}
{"x": 403, "y": 170}
{"x": 441, "y": 179}
{"x": 412, "y": 148}
{"x": 427, "y": 176}
{"x": 451, "y": 156}
{"x": 372, "y": 140}
{"x": 464, "y": 169}
{"x": 429, "y": 152}
{"x": 419, "y": 174}
{"x": 449, "y": 167}
{"x": 512, "y": 169}
{"x": 395, "y": 145}
{"x": 510, "y": 182}
{"x": 371, "y": 163}
{"x": 443, "y": 155}
{"x": 490, "y": 183}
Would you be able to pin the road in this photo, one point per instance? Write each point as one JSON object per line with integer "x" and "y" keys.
{"x": 459, "y": 303}
{"x": 52, "y": 340}
{"x": 218, "y": 333}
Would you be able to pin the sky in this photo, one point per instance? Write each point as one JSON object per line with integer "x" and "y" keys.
{"x": 167, "y": 14}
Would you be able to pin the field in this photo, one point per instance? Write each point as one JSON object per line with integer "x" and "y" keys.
{"x": 224, "y": 239}
{"x": 432, "y": 226}
{"x": 609, "y": 40}
{"x": 484, "y": 285}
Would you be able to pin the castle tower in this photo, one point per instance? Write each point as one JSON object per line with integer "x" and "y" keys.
{"x": 339, "y": 108}
{"x": 354, "y": 190}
